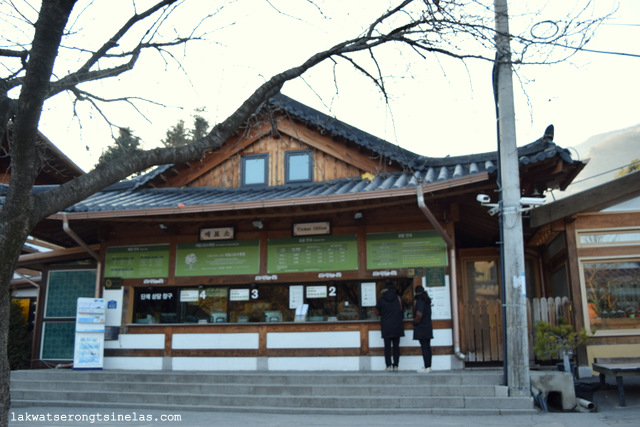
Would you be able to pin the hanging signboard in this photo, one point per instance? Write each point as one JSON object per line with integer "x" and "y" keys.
{"x": 318, "y": 253}
{"x": 137, "y": 262}
{"x": 404, "y": 250}
{"x": 434, "y": 276}
{"x": 217, "y": 233}
{"x": 312, "y": 228}
{"x": 218, "y": 258}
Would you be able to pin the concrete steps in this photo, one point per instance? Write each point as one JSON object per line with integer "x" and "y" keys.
{"x": 440, "y": 392}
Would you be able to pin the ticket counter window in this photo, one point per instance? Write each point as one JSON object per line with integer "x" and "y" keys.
{"x": 333, "y": 302}
{"x": 155, "y": 305}
{"x": 203, "y": 305}
{"x": 260, "y": 303}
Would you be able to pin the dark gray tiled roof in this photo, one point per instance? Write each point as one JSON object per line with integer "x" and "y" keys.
{"x": 336, "y": 127}
{"x": 135, "y": 194}
{"x": 136, "y": 197}
{"x": 456, "y": 165}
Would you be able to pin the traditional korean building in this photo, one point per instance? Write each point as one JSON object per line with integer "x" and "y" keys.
{"x": 269, "y": 253}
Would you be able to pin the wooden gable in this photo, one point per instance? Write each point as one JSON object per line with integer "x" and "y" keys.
{"x": 333, "y": 158}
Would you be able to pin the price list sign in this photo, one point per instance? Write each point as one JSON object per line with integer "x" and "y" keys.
{"x": 137, "y": 262}
{"x": 407, "y": 249}
{"x": 218, "y": 258}
{"x": 318, "y": 253}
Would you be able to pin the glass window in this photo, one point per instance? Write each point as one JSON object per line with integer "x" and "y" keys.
{"x": 609, "y": 239}
{"x": 613, "y": 294}
{"x": 255, "y": 169}
{"x": 155, "y": 305}
{"x": 328, "y": 302}
{"x": 203, "y": 305}
{"x": 482, "y": 281}
{"x": 298, "y": 166}
{"x": 260, "y": 303}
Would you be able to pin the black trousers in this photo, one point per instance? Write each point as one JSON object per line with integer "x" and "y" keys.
{"x": 395, "y": 343}
{"x": 426, "y": 352}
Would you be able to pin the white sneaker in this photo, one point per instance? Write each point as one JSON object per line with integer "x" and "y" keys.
{"x": 424, "y": 370}
{"x": 395, "y": 368}
{"x": 389, "y": 368}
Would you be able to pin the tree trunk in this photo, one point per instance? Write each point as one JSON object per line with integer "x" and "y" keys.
{"x": 12, "y": 235}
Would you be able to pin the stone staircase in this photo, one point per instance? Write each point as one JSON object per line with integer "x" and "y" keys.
{"x": 439, "y": 393}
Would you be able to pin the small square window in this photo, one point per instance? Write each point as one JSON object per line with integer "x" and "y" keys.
{"x": 255, "y": 169}
{"x": 298, "y": 166}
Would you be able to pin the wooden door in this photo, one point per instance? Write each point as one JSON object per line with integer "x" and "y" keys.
{"x": 481, "y": 309}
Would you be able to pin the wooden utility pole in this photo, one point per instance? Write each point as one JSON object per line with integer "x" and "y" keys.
{"x": 515, "y": 319}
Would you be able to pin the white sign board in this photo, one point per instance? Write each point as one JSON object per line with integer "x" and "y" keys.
{"x": 440, "y": 300}
{"x": 88, "y": 352}
{"x": 296, "y": 296}
{"x": 368, "y": 292}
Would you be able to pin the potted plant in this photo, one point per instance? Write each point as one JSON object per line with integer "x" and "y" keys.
{"x": 558, "y": 342}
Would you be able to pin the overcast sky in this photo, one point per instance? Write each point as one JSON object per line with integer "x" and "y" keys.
{"x": 438, "y": 108}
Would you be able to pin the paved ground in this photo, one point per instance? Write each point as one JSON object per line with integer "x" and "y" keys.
{"x": 607, "y": 413}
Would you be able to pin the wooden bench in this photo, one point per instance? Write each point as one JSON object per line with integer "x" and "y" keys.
{"x": 618, "y": 367}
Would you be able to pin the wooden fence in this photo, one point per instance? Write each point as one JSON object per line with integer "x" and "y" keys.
{"x": 483, "y": 339}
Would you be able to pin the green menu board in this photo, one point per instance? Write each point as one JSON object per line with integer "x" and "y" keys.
{"x": 137, "y": 262}
{"x": 218, "y": 258}
{"x": 64, "y": 287}
{"x": 406, "y": 249}
{"x": 318, "y": 253}
{"x": 57, "y": 340}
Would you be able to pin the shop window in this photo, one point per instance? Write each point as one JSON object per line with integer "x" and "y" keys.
{"x": 255, "y": 170}
{"x": 612, "y": 291}
{"x": 298, "y": 166}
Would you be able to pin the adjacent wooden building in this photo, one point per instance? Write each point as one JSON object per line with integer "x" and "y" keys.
{"x": 590, "y": 244}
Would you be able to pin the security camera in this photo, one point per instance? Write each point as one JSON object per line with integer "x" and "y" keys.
{"x": 532, "y": 201}
{"x": 483, "y": 198}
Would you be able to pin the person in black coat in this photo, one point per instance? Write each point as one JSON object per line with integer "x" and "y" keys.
{"x": 422, "y": 326}
{"x": 390, "y": 309}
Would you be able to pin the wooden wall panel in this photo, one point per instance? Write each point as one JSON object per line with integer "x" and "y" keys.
{"x": 227, "y": 174}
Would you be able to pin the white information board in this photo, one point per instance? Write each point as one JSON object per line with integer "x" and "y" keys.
{"x": 88, "y": 352}
{"x": 440, "y": 300}
{"x": 368, "y": 292}
{"x": 296, "y": 296}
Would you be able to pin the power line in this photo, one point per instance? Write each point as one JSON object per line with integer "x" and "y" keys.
{"x": 622, "y": 25}
{"x": 609, "y": 171}
{"x": 606, "y": 52}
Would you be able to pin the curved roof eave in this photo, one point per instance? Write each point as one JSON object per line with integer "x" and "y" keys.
{"x": 170, "y": 207}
